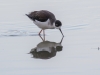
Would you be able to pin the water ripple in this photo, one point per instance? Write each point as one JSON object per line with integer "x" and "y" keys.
{"x": 17, "y": 33}
{"x": 75, "y": 27}
{"x": 11, "y": 30}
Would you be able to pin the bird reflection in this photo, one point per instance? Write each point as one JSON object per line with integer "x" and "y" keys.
{"x": 46, "y": 49}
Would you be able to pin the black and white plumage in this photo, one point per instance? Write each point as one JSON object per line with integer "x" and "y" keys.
{"x": 45, "y": 20}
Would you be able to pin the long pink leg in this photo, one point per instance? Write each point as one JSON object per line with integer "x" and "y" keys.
{"x": 40, "y": 32}
{"x": 41, "y": 38}
{"x": 44, "y": 34}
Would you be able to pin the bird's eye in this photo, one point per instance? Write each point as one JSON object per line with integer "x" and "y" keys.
{"x": 57, "y": 25}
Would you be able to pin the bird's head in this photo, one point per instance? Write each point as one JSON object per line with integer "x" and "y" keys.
{"x": 58, "y": 25}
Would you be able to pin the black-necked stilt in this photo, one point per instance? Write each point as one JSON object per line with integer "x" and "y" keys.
{"x": 45, "y": 20}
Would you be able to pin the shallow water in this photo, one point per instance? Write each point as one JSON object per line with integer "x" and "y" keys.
{"x": 23, "y": 52}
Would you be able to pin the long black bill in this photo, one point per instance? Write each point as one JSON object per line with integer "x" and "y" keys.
{"x": 61, "y": 32}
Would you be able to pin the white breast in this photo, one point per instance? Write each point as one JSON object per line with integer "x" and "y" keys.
{"x": 44, "y": 25}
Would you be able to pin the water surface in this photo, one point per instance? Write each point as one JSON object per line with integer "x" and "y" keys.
{"x": 23, "y": 52}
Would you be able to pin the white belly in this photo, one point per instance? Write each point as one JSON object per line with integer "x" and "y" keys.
{"x": 44, "y": 25}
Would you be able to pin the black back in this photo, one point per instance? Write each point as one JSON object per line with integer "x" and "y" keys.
{"x": 42, "y": 15}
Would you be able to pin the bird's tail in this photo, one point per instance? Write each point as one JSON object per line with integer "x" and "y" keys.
{"x": 28, "y": 16}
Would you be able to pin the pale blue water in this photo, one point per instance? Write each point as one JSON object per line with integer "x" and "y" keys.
{"x": 77, "y": 54}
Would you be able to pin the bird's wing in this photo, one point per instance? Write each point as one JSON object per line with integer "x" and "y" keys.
{"x": 38, "y": 15}
{"x": 42, "y": 16}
